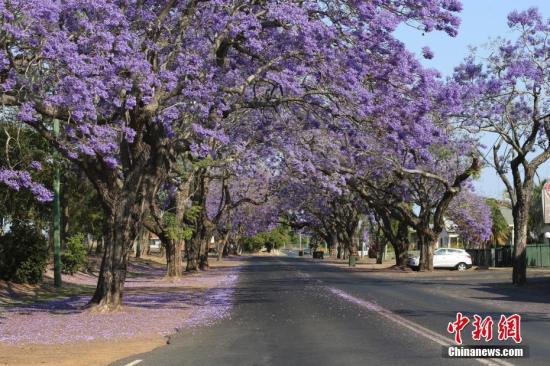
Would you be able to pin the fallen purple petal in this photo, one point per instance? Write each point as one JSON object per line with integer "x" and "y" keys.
{"x": 152, "y": 305}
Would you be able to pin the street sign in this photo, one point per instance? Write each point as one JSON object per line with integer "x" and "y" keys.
{"x": 546, "y": 202}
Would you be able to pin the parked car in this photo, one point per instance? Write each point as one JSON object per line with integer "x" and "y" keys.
{"x": 446, "y": 258}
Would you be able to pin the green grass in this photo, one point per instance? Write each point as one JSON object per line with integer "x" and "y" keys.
{"x": 14, "y": 294}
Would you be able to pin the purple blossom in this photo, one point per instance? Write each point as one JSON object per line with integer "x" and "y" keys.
{"x": 472, "y": 215}
{"x": 236, "y": 86}
{"x": 131, "y": 102}
{"x": 427, "y": 53}
{"x": 27, "y": 113}
{"x": 22, "y": 179}
{"x": 110, "y": 162}
{"x": 528, "y": 17}
{"x": 35, "y": 165}
{"x": 129, "y": 134}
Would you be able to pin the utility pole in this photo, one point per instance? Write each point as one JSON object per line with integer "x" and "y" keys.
{"x": 300, "y": 241}
{"x": 56, "y": 215}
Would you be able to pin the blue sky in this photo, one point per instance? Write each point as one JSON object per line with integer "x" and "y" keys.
{"x": 482, "y": 20}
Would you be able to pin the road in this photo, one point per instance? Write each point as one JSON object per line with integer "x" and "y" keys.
{"x": 292, "y": 311}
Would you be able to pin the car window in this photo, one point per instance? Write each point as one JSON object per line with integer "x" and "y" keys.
{"x": 440, "y": 252}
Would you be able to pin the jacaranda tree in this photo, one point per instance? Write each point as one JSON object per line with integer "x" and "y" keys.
{"x": 134, "y": 83}
{"x": 509, "y": 100}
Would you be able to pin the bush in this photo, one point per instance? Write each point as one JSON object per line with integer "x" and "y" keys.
{"x": 23, "y": 254}
{"x": 273, "y": 239}
{"x": 73, "y": 258}
{"x": 252, "y": 244}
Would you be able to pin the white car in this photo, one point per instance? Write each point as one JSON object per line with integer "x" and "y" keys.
{"x": 446, "y": 258}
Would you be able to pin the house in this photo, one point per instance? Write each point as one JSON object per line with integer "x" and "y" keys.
{"x": 150, "y": 243}
{"x": 154, "y": 244}
{"x": 509, "y": 218}
{"x": 449, "y": 237}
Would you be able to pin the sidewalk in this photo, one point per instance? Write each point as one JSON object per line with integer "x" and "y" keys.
{"x": 52, "y": 329}
{"x": 369, "y": 265}
{"x": 362, "y": 264}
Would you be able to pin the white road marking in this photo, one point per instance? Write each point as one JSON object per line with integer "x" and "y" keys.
{"x": 418, "y": 329}
{"x": 133, "y": 363}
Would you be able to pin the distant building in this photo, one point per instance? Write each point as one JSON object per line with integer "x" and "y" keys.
{"x": 150, "y": 243}
{"x": 509, "y": 218}
{"x": 449, "y": 237}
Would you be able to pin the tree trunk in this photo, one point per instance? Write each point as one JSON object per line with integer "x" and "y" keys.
{"x": 174, "y": 266}
{"x": 354, "y": 245}
{"x": 147, "y": 249}
{"x": 427, "y": 244}
{"x": 203, "y": 257}
{"x": 228, "y": 246}
{"x": 222, "y": 250}
{"x": 401, "y": 245}
{"x": 100, "y": 245}
{"x": 119, "y": 235}
{"x": 171, "y": 263}
{"x": 332, "y": 246}
{"x": 401, "y": 253}
{"x": 173, "y": 258}
{"x": 138, "y": 248}
{"x": 139, "y": 243}
{"x": 381, "y": 250}
{"x": 180, "y": 244}
{"x": 195, "y": 257}
{"x": 123, "y": 218}
{"x": 192, "y": 255}
{"x": 520, "y": 212}
{"x": 91, "y": 246}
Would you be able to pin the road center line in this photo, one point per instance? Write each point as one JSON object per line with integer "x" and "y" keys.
{"x": 133, "y": 363}
{"x": 418, "y": 329}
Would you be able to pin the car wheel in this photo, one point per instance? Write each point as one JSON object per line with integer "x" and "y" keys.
{"x": 461, "y": 266}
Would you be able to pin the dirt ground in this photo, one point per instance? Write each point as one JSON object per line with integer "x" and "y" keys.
{"x": 92, "y": 353}
{"x": 361, "y": 265}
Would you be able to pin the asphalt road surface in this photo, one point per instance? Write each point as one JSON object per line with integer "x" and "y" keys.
{"x": 291, "y": 311}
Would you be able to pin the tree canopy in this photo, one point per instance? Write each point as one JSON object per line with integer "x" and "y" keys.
{"x": 217, "y": 117}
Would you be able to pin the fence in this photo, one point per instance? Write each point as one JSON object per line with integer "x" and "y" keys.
{"x": 481, "y": 257}
{"x": 538, "y": 255}
{"x": 495, "y": 257}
